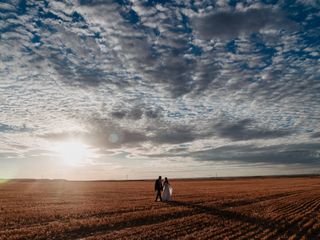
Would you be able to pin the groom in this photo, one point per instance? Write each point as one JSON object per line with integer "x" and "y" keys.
{"x": 158, "y": 188}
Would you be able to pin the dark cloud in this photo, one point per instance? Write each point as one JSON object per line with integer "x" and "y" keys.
{"x": 82, "y": 74}
{"x": 153, "y": 113}
{"x": 136, "y": 112}
{"x": 118, "y": 114}
{"x": 228, "y": 25}
{"x": 165, "y": 64}
{"x": 207, "y": 73}
{"x": 174, "y": 135}
{"x": 177, "y": 73}
{"x": 109, "y": 133}
{"x": 304, "y": 153}
{"x": 95, "y": 2}
{"x": 316, "y": 135}
{"x": 245, "y": 130}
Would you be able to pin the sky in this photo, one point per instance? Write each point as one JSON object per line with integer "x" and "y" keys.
{"x": 101, "y": 89}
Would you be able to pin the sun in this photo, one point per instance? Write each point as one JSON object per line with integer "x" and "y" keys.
{"x": 73, "y": 152}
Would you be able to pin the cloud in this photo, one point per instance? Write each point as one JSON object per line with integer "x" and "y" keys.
{"x": 304, "y": 153}
{"x": 118, "y": 131}
{"x": 316, "y": 135}
{"x": 112, "y": 138}
{"x": 136, "y": 112}
{"x": 147, "y": 78}
{"x": 6, "y": 128}
{"x": 14, "y": 129}
{"x": 95, "y": 2}
{"x": 101, "y": 134}
{"x": 282, "y": 154}
{"x": 245, "y": 130}
{"x": 106, "y": 134}
{"x": 231, "y": 24}
{"x": 174, "y": 135}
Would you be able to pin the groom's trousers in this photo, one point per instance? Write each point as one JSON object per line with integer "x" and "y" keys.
{"x": 158, "y": 195}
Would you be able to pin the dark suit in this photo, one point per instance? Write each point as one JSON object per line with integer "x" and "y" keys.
{"x": 158, "y": 188}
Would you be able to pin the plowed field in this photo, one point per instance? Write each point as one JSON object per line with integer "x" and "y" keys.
{"x": 256, "y": 208}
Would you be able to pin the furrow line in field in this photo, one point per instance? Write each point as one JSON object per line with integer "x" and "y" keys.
{"x": 288, "y": 210}
{"x": 87, "y": 225}
{"x": 255, "y": 234}
{"x": 288, "y": 224}
{"x": 285, "y": 217}
{"x": 287, "y": 206}
{"x": 305, "y": 227}
{"x": 314, "y": 232}
{"x": 285, "y": 229}
{"x": 303, "y": 207}
{"x": 190, "y": 223}
{"x": 186, "y": 229}
{"x": 235, "y": 233}
{"x": 260, "y": 199}
{"x": 146, "y": 220}
{"x": 35, "y": 222}
{"x": 218, "y": 229}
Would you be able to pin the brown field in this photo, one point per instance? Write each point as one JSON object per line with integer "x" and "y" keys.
{"x": 257, "y": 208}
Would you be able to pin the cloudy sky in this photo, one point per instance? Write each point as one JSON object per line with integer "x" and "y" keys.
{"x": 101, "y": 89}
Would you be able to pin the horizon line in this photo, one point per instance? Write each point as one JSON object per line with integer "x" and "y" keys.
{"x": 149, "y": 179}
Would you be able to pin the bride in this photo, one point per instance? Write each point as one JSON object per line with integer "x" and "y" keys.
{"x": 167, "y": 190}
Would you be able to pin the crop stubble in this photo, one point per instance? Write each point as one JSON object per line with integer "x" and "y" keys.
{"x": 257, "y": 208}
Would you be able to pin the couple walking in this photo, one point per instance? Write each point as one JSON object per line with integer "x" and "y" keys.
{"x": 163, "y": 189}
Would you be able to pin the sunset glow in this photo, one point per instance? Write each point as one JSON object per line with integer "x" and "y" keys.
{"x": 73, "y": 152}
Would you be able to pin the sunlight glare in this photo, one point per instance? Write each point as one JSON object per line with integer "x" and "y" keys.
{"x": 73, "y": 152}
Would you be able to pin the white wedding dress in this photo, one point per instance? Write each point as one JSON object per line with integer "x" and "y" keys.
{"x": 167, "y": 192}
